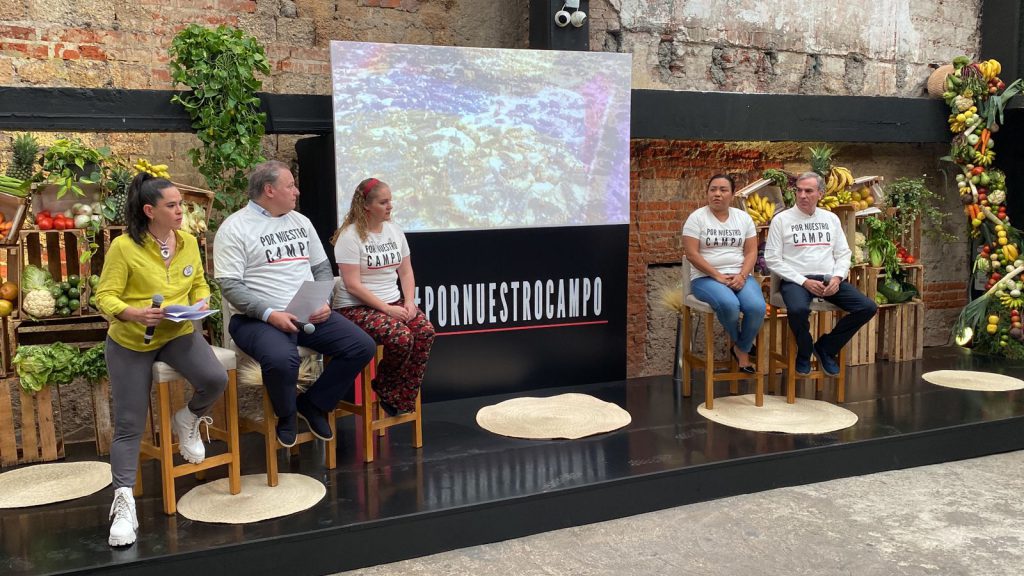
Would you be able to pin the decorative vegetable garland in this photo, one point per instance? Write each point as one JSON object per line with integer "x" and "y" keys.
{"x": 976, "y": 97}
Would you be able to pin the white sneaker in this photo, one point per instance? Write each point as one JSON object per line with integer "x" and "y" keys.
{"x": 190, "y": 442}
{"x": 124, "y": 525}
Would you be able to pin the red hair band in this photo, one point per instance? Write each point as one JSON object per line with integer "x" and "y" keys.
{"x": 370, "y": 184}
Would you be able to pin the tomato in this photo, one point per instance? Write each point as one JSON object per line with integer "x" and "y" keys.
{"x": 977, "y": 170}
{"x": 44, "y": 223}
{"x": 910, "y": 260}
{"x": 58, "y": 224}
{"x": 43, "y": 214}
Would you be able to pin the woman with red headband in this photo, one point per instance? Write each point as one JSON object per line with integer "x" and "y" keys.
{"x": 377, "y": 290}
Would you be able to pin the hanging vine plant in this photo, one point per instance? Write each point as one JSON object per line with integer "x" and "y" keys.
{"x": 221, "y": 66}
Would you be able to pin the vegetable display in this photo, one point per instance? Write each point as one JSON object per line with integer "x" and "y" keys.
{"x": 977, "y": 97}
{"x": 41, "y": 365}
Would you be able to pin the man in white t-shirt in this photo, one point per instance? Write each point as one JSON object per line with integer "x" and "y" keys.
{"x": 262, "y": 255}
{"x": 807, "y": 248}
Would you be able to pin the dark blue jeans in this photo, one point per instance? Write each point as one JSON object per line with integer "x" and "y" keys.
{"x": 349, "y": 348}
{"x": 858, "y": 307}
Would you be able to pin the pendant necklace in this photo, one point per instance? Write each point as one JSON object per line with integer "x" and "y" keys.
{"x": 165, "y": 249}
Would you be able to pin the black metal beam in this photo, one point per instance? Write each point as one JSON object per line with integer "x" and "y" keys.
{"x": 742, "y": 117}
{"x": 674, "y": 115}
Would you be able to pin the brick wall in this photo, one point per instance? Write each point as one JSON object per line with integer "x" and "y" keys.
{"x": 782, "y": 46}
{"x": 668, "y": 180}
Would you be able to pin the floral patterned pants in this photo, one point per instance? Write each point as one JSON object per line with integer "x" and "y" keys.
{"x": 406, "y": 349}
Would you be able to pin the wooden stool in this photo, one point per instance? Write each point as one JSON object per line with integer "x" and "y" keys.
{"x": 267, "y": 426}
{"x": 161, "y": 447}
{"x": 368, "y": 410}
{"x": 732, "y": 373}
{"x": 783, "y": 354}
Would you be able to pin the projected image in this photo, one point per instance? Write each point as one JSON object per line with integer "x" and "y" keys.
{"x": 477, "y": 138}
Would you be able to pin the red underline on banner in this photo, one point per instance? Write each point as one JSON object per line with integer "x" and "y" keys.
{"x": 522, "y": 328}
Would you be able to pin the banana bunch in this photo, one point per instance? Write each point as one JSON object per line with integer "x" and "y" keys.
{"x": 760, "y": 209}
{"x": 844, "y": 196}
{"x": 829, "y": 202}
{"x": 1011, "y": 253}
{"x": 1010, "y": 301}
{"x": 193, "y": 218}
{"x": 984, "y": 158}
{"x": 839, "y": 178}
{"x": 13, "y": 186}
{"x": 990, "y": 69}
{"x": 154, "y": 170}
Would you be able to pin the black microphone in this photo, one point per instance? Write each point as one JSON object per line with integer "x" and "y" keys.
{"x": 304, "y": 326}
{"x": 158, "y": 301}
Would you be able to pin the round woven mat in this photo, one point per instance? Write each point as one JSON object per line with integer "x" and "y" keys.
{"x": 569, "y": 416}
{"x": 802, "y": 417}
{"x": 48, "y": 483}
{"x": 970, "y": 380}
{"x": 214, "y": 503}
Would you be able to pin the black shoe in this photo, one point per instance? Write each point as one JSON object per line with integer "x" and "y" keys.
{"x": 286, "y": 431}
{"x": 391, "y": 410}
{"x": 803, "y": 367}
{"x": 315, "y": 418}
{"x": 745, "y": 369}
{"x": 827, "y": 362}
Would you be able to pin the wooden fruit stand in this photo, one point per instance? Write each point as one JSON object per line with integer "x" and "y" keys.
{"x": 896, "y": 333}
{"x": 30, "y": 423}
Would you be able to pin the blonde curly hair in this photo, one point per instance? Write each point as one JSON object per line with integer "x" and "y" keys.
{"x": 356, "y": 216}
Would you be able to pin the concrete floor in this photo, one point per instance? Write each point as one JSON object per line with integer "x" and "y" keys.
{"x": 959, "y": 518}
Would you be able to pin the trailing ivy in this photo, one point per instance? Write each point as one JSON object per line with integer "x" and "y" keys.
{"x": 221, "y": 65}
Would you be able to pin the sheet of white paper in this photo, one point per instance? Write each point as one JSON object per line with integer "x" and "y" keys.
{"x": 180, "y": 313}
{"x": 312, "y": 296}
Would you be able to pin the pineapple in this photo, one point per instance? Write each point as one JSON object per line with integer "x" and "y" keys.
{"x": 821, "y": 160}
{"x": 117, "y": 197}
{"x": 26, "y": 149}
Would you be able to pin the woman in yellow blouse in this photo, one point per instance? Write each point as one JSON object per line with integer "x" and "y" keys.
{"x": 152, "y": 258}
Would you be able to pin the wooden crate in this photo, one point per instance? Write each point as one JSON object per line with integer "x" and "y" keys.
{"x": 196, "y": 195}
{"x": 33, "y": 432}
{"x": 60, "y": 252}
{"x": 14, "y": 210}
{"x": 901, "y": 332}
{"x": 82, "y": 332}
{"x": 10, "y": 269}
{"x": 44, "y": 197}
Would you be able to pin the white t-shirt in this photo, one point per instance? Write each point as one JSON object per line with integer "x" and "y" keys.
{"x": 799, "y": 245}
{"x": 720, "y": 243}
{"x": 378, "y": 258}
{"x": 273, "y": 256}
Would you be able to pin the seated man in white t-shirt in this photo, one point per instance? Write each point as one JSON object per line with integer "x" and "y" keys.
{"x": 262, "y": 255}
{"x": 807, "y": 248}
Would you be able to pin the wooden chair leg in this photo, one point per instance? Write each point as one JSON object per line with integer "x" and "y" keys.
{"x": 270, "y": 439}
{"x": 166, "y": 448}
{"x": 789, "y": 342}
{"x": 841, "y": 379}
{"x": 417, "y": 431}
{"x": 234, "y": 445}
{"x": 759, "y": 379}
{"x": 332, "y": 444}
{"x": 687, "y": 350}
{"x": 368, "y": 416}
{"x": 709, "y": 362}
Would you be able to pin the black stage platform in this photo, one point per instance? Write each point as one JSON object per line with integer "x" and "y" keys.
{"x": 467, "y": 486}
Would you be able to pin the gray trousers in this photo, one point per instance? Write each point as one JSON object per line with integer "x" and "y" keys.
{"x": 131, "y": 378}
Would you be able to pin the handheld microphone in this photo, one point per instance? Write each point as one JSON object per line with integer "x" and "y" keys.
{"x": 158, "y": 301}
{"x": 304, "y": 326}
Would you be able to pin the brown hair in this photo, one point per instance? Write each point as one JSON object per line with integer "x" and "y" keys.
{"x": 357, "y": 210}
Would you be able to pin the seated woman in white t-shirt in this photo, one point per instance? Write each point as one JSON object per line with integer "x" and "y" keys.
{"x": 373, "y": 258}
{"x": 720, "y": 243}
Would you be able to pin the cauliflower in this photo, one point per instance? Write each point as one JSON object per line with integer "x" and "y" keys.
{"x": 858, "y": 254}
{"x": 859, "y": 239}
{"x": 39, "y": 304}
{"x": 997, "y": 197}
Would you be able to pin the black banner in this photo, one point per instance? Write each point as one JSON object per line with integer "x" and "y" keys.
{"x": 522, "y": 309}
